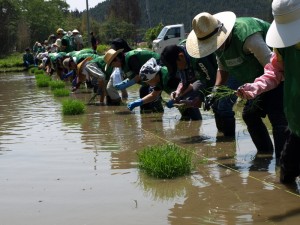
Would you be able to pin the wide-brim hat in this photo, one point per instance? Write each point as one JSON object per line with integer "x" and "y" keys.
{"x": 75, "y": 31}
{"x": 110, "y": 55}
{"x": 57, "y": 42}
{"x": 284, "y": 30}
{"x": 209, "y": 33}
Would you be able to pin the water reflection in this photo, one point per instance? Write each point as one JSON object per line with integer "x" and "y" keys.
{"x": 88, "y": 163}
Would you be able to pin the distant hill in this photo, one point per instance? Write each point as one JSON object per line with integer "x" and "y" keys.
{"x": 183, "y": 11}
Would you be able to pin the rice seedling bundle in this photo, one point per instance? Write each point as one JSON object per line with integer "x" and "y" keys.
{"x": 57, "y": 84}
{"x": 61, "y": 92}
{"x": 42, "y": 80}
{"x": 73, "y": 107}
{"x": 165, "y": 161}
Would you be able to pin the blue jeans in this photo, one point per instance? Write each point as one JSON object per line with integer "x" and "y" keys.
{"x": 224, "y": 114}
{"x": 223, "y": 107}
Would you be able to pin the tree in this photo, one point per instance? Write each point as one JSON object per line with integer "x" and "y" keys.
{"x": 152, "y": 33}
{"x": 9, "y": 15}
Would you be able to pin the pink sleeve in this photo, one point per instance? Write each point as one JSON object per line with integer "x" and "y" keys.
{"x": 273, "y": 75}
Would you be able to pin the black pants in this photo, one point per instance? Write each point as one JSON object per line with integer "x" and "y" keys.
{"x": 155, "y": 106}
{"x": 267, "y": 104}
{"x": 290, "y": 158}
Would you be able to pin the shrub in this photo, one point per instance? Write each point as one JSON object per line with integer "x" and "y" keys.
{"x": 101, "y": 49}
{"x": 73, "y": 107}
{"x": 165, "y": 161}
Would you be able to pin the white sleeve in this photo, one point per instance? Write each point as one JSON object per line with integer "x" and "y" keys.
{"x": 117, "y": 76}
{"x": 256, "y": 45}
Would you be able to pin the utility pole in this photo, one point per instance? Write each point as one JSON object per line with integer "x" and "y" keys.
{"x": 88, "y": 19}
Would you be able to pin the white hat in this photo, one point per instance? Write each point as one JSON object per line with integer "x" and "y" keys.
{"x": 209, "y": 33}
{"x": 58, "y": 42}
{"x": 110, "y": 55}
{"x": 284, "y": 30}
{"x": 149, "y": 70}
{"x": 75, "y": 31}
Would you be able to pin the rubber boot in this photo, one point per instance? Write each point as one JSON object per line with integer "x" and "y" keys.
{"x": 229, "y": 127}
{"x": 258, "y": 131}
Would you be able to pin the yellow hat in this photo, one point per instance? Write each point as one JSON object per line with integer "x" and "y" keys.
{"x": 60, "y": 31}
{"x": 110, "y": 55}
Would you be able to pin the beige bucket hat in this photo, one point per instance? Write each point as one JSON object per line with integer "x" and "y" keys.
{"x": 209, "y": 33}
{"x": 110, "y": 55}
{"x": 284, "y": 30}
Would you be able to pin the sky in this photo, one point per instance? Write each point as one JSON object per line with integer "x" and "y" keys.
{"x": 81, "y": 4}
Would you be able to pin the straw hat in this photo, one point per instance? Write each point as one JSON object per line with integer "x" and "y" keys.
{"x": 149, "y": 70}
{"x": 284, "y": 30}
{"x": 60, "y": 31}
{"x": 66, "y": 63}
{"x": 209, "y": 33}
{"x": 110, "y": 55}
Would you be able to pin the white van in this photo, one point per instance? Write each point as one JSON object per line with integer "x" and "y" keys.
{"x": 169, "y": 35}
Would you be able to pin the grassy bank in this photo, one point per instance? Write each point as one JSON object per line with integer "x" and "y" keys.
{"x": 12, "y": 63}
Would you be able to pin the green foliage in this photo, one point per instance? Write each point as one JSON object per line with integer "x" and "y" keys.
{"x": 165, "y": 161}
{"x": 73, "y": 107}
{"x": 57, "y": 84}
{"x": 114, "y": 27}
{"x": 101, "y": 49}
{"x": 152, "y": 33}
{"x": 13, "y": 60}
{"x": 62, "y": 92}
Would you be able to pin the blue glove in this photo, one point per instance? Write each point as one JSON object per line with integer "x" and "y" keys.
{"x": 74, "y": 82}
{"x": 68, "y": 74}
{"x": 136, "y": 103}
{"x": 125, "y": 84}
{"x": 170, "y": 104}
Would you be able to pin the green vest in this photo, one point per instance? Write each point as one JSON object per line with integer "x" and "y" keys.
{"x": 54, "y": 56}
{"x": 79, "y": 57}
{"x": 67, "y": 40}
{"x": 291, "y": 58}
{"x": 205, "y": 69}
{"x": 244, "y": 67}
{"x": 142, "y": 55}
{"x": 165, "y": 78}
{"x": 101, "y": 64}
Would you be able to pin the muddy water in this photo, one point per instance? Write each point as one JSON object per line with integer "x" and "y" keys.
{"x": 71, "y": 170}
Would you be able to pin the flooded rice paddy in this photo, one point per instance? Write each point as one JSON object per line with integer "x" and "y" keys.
{"x": 82, "y": 170}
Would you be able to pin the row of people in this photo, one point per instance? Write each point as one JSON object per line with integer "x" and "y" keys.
{"x": 220, "y": 50}
{"x": 242, "y": 54}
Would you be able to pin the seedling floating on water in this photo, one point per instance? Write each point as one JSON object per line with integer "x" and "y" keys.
{"x": 165, "y": 161}
{"x": 73, "y": 107}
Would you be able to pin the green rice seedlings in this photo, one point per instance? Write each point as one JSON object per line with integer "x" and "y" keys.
{"x": 57, "y": 84}
{"x": 61, "y": 92}
{"x": 73, "y": 107}
{"x": 165, "y": 161}
{"x": 43, "y": 81}
{"x": 223, "y": 92}
{"x": 38, "y": 71}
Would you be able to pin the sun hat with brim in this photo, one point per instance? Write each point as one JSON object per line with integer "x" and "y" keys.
{"x": 110, "y": 55}
{"x": 284, "y": 30}
{"x": 149, "y": 70}
{"x": 75, "y": 31}
{"x": 60, "y": 31}
{"x": 209, "y": 33}
{"x": 57, "y": 42}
